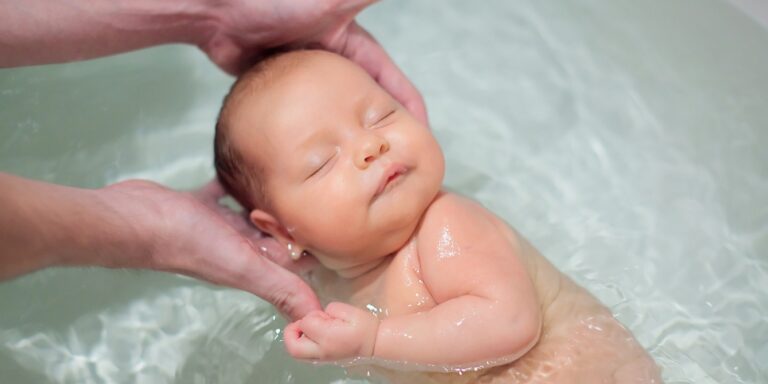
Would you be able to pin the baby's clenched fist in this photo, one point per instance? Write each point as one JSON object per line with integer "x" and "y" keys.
{"x": 340, "y": 332}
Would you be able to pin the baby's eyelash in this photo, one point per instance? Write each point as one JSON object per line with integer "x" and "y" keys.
{"x": 388, "y": 114}
{"x": 328, "y": 160}
{"x": 320, "y": 167}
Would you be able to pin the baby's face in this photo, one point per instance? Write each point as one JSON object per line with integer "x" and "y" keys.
{"x": 348, "y": 171}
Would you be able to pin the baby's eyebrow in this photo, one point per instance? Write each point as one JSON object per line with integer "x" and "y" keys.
{"x": 306, "y": 142}
{"x": 365, "y": 103}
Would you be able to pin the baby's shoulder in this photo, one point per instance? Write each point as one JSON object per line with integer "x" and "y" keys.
{"x": 449, "y": 206}
{"x": 458, "y": 237}
{"x": 458, "y": 217}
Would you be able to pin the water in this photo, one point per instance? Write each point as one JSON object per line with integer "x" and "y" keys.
{"x": 625, "y": 139}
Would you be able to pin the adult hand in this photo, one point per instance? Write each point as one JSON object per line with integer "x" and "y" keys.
{"x": 244, "y": 29}
{"x": 186, "y": 235}
{"x": 232, "y": 32}
{"x": 190, "y": 233}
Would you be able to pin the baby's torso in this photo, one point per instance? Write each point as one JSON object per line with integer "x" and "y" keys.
{"x": 573, "y": 321}
{"x": 394, "y": 288}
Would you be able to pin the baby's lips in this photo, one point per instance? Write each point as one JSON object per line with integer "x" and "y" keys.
{"x": 390, "y": 172}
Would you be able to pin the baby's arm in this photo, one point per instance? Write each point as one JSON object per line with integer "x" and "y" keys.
{"x": 487, "y": 307}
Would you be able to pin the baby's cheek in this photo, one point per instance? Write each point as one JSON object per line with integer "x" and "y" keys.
{"x": 331, "y": 234}
{"x": 435, "y": 153}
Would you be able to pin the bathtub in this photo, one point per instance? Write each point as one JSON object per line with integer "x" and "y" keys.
{"x": 626, "y": 139}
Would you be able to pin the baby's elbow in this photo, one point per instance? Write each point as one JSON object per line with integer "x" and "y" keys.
{"x": 531, "y": 330}
{"x": 522, "y": 335}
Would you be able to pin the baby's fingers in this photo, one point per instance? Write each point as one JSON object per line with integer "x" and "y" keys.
{"x": 344, "y": 311}
{"x": 299, "y": 345}
{"x": 316, "y": 326}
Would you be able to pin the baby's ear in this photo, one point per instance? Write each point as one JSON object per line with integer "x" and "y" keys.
{"x": 267, "y": 223}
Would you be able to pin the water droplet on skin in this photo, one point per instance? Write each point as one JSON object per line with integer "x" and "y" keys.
{"x": 378, "y": 312}
{"x": 375, "y": 310}
{"x": 446, "y": 246}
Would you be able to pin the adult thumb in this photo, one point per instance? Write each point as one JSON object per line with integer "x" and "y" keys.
{"x": 291, "y": 295}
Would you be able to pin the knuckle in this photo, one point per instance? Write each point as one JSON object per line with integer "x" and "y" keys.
{"x": 283, "y": 300}
{"x": 336, "y": 308}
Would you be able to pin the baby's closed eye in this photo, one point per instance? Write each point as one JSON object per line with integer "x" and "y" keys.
{"x": 384, "y": 118}
{"x": 320, "y": 162}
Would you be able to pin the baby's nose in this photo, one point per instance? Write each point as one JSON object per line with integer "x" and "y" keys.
{"x": 371, "y": 148}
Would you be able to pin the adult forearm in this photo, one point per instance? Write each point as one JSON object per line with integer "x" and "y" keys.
{"x": 49, "y": 31}
{"x": 43, "y": 225}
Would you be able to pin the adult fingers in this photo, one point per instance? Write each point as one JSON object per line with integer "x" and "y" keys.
{"x": 288, "y": 293}
{"x": 225, "y": 53}
{"x": 211, "y": 191}
{"x": 280, "y": 256}
{"x": 233, "y": 261}
{"x": 351, "y": 7}
{"x": 282, "y": 288}
{"x": 342, "y": 311}
{"x": 210, "y": 194}
{"x": 359, "y": 46}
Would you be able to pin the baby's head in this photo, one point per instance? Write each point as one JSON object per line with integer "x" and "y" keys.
{"x": 325, "y": 160}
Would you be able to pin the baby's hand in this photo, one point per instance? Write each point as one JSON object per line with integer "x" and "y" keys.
{"x": 340, "y": 332}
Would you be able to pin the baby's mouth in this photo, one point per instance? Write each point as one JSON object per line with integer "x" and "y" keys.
{"x": 392, "y": 176}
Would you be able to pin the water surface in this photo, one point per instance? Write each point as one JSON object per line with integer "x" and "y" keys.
{"x": 626, "y": 139}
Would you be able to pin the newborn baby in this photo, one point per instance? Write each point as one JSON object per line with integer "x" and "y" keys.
{"x": 330, "y": 165}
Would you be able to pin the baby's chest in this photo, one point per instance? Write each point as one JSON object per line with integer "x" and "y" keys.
{"x": 401, "y": 289}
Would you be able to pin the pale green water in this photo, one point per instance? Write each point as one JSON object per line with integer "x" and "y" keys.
{"x": 626, "y": 139}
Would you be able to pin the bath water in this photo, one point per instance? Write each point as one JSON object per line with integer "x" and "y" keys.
{"x": 626, "y": 139}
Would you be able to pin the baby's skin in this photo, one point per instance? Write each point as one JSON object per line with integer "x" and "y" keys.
{"x": 420, "y": 279}
{"x": 576, "y": 338}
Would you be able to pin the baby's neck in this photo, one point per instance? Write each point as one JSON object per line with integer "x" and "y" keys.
{"x": 356, "y": 287}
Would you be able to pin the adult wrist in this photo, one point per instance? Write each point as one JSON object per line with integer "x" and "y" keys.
{"x": 115, "y": 232}
{"x": 200, "y": 20}
{"x": 45, "y": 225}
{"x": 175, "y": 21}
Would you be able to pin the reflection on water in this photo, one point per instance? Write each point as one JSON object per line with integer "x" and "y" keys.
{"x": 628, "y": 146}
